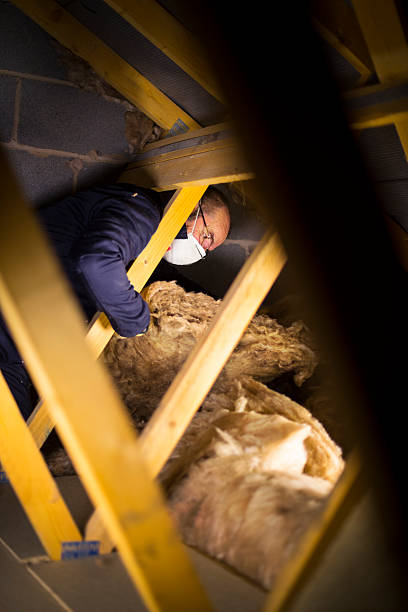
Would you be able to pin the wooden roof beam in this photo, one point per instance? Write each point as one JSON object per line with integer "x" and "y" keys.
{"x": 48, "y": 330}
{"x": 25, "y": 465}
{"x": 386, "y": 42}
{"x": 108, "y": 64}
{"x": 376, "y": 115}
{"x": 195, "y": 379}
{"x": 336, "y": 22}
{"x": 179, "y": 160}
{"x": 41, "y": 422}
{"x": 377, "y": 88}
{"x": 171, "y": 37}
{"x": 198, "y": 158}
{"x": 189, "y": 388}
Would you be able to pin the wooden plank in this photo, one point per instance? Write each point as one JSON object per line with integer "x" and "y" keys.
{"x": 40, "y": 423}
{"x": 336, "y": 22}
{"x": 202, "y": 165}
{"x": 182, "y": 205}
{"x": 183, "y": 150}
{"x": 368, "y": 90}
{"x": 100, "y": 332}
{"x": 31, "y": 480}
{"x": 205, "y": 362}
{"x": 386, "y": 42}
{"x": 90, "y": 418}
{"x": 171, "y": 37}
{"x": 384, "y": 35}
{"x": 170, "y": 150}
{"x": 204, "y": 131}
{"x": 376, "y": 115}
{"x": 110, "y": 66}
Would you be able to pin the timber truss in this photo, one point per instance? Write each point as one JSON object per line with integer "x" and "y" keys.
{"x": 117, "y": 468}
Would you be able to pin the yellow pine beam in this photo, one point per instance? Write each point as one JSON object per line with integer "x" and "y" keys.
{"x": 31, "y": 480}
{"x": 183, "y": 202}
{"x": 97, "y": 432}
{"x": 386, "y": 42}
{"x": 199, "y": 372}
{"x": 168, "y": 34}
{"x": 336, "y": 22}
{"x": 385, "y": 88}
{"x": 111, "y": 67}
{"x": 100, "y": 332}
{"x": 198, "y": 133}
{"x": 211, "y": 352}
{"x": 216, "y": 162}
{"x": 377, "y": 115}
{"x": 384, "y": 36}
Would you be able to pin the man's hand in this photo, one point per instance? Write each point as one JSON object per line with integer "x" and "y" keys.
{"x": 143, "y": 293}
{"x": 142, "y": 333}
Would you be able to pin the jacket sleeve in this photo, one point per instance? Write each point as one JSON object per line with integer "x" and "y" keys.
{"x": 116, "y": 234}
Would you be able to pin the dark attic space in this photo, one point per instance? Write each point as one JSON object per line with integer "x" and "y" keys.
{"x": 225, "y": 225}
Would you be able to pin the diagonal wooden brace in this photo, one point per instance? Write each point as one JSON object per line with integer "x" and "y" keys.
{"x": 100, "y": 332}
{"x": 199, "y": 372}
{"x": 92, "y": 422}
{"x": 62, "y": 26}
{"x": 32, "y": 482}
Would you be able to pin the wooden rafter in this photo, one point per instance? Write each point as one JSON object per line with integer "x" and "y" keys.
{"x": 41, "y": 422}
{"x": 166, "y": 33}
{"x": 376, "y": 115}
{"x": 196, "y": 160}
{"x": 384, "y": 35}
{"x": 32, "y": 481}
{"x": 336, "y": 22}
{"x": 160, "y": 428}
{"x": 390, "y": 89}
{"x": 211, "y": 163}
{"x": 205, "y": 362}
{"x": 199, "y": 133}
{"x": 198, "y": 374}
{"x": 48, "y": 330}
{"x": 108, "y": 64}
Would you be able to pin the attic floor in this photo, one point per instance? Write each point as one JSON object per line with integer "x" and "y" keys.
{"x": 31, "y": 583}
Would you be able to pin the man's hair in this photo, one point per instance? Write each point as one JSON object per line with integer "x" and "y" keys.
{"x": 213, "y": 199}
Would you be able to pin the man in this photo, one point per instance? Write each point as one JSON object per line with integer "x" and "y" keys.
{"x": 96, "y": 235}
{"x": 197, "y": 237}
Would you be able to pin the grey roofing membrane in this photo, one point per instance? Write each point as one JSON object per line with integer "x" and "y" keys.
{"x": 140, "y": 53}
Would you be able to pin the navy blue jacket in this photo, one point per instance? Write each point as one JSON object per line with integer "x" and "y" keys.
{"x": 97, "y": 234}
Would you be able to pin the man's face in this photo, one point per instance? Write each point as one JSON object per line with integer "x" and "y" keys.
{"x": 218, "y": 224}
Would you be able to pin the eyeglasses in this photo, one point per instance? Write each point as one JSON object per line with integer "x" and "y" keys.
{"x": 207, "y": 234}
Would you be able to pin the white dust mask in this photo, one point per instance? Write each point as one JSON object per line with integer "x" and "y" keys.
{"x": 184, "y": 251}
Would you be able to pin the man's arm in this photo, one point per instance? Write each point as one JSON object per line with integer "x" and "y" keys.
{"x": 117, "y": 233}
